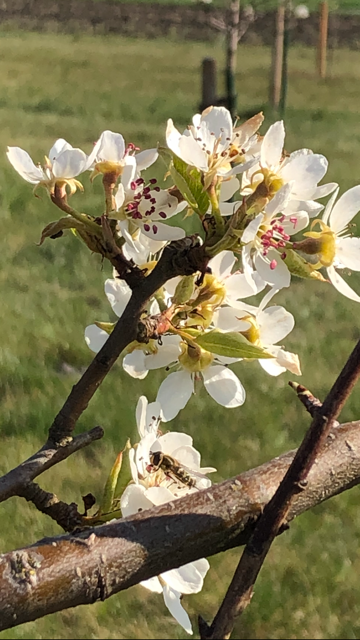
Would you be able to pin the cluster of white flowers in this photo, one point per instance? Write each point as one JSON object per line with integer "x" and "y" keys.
{"x": 251, "y": 198}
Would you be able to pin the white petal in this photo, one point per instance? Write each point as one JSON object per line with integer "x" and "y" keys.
{"x": 280, "y": 199}
{"x": 324, "y": 190}
{"x": 167, "y": 353}
{"x": 174, "y": 393}
{"x": 162, "y": 232}
{"x": 133, "y": 500}
{"x": 140, "y": 415}
{"x": 110, "y": 146}
{"x": 23, "y": 164}
{"x": 222, "y": 264}
{"x": 238, "y": 286}
{"x": 274, "y": 323}
{"x": 342, "y": 286}
{"x": 229, "y": 319}
{"x": 289, "y": 360}
{"x": 279, "y": 276}
{"x": 218, "y": 122}
{"x": 272, "y": 145}
{"x": 118, "y": 293}
{"x": 172, "y": 601}
{"x": 252, "y": 229}
{"x": 306, "y": 171}
{"x": 272, "y": 367}
{"x": 69, "y": 163}
{"x": 186, "y": 579}
{"x": 192, "y": 154}
{"x": 171, "y": 441}
{"x": 95, "y": 337}
{"x": 345, "y": 209}
{"x": 58, "y": 147}
{"x": 128, "y": 175}
{"x": 153, "y": 584}
{"x": 310, "y": 206}
{"x": 119, "y": 197}
{"x": 188, "y": 456}
{"x": 228, "y": 188}
{"x": 224, "y": 386}
{"x": 146, "y": 158}
{"x": 348, "y": 252}
{"x": 134, "y": 364}
{"x": 296, "y": 222}
{"x": 159, "y": 495}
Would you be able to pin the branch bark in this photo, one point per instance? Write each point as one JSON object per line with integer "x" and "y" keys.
{"x": 274, "y": 518}
{"x": 12, "y": 483}
{"x": 70, "y": 570}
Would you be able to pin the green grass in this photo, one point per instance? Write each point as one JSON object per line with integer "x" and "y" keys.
{"x": 75, "y": 87}
{"x": 341, "y": 6}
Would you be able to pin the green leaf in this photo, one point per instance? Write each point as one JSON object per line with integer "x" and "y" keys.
{"x": 55, "y": 229}
{"x": 231, "y": 345}
{"x": 110, "y": 486}
{"x": 188, "y": 181}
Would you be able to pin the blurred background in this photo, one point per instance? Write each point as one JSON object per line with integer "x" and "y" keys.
{"x": 72, "y": 69}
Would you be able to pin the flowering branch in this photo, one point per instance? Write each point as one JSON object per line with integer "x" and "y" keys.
{"x": 275, "y": 514}
{"x": 86, "y": 567}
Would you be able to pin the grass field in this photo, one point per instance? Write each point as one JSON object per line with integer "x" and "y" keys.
{"x": 341, "y": 6}
{"x": 75, "y": 87}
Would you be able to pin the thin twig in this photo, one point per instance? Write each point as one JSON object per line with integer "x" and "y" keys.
{"x": 99, "y": 562}
{"x": 275, "y": 513}
{"x": 66, "y": 515}
{"x": 14, "y": 481}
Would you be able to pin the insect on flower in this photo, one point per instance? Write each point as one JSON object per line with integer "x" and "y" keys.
{"x": 172, "y": 469}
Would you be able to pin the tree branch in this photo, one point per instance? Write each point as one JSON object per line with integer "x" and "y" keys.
{"x": 66, "y": 571}
{"x": 66, "y": 515}
{"x": 181, "y": 257}
{"x": 240, "y": 591}
{"x": 12, "y": 483}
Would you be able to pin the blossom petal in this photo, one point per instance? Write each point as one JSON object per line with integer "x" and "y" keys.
{"x": 272, "y": 145}
{"x": 342, "y": 286}
{"x": 58, "y": 147}
{"x": 305, "y": 170}
{"x": 173, "y": 603}
{"x": 345, "y": 209}
{"x": 153, "y": 584}
{"x": 274, "y": 324}
{"x": 162, "y": 232}
{"x": 118, "y": 293}
{"x": 110, "y": 147}
{"x": 159, "y": 495}
{"x": 228, "y": 188}
{"x": 167, "y": 353}
{"x": 95, "y": 337}
{"x": 134, "y": 500}
{"x": 69, "y": 163}
{"x": 222, "y": 264}
{"x": 134, "y": 364}
{"x": 171, "y": 441}
{"x": 146, "y": 158}
{"x": 186, "y": 579}
{"x": 24, "y": 165}
{"x": 252, "y": 229}
{"x": 174, "y": 393}
{"x": 348, "y": 252}
{"x": 224, "y": 386}
{"x": 279, "y": 276}
{"x": 188, "y": 150}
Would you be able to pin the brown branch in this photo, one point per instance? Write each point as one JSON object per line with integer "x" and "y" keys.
{"x": 181, "y": 257}
{"x": 66, "y": 515}
{"x": 275, "y": 513}
{"x": 13, "y": 482}
{"x": 66, "y": 571}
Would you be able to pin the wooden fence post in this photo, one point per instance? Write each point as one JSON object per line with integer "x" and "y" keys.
{"x": 208, "y": 83}
{"x": 323, "y": 35}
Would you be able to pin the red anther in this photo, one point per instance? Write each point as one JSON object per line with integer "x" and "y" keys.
{"x": 155, "y": 229}
{"x": 146, "y": 227}
{"x": 157, "y": 189}
{"x": 273, "y": 264}
{"x": 146, "y": 190}
{"x": 281, "y": 244}
{"x": 133, "y": 185}
{"x": 282, "y": 218}
{"x": 283, "y": 255}
{"x": 152, "y": 181}
{"x": 153, "y": 200}
{"x": 162, "y": 214}
{"x": 140, "y": 181}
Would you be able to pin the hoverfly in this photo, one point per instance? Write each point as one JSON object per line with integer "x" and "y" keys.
{"x": 172, "y": 468}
